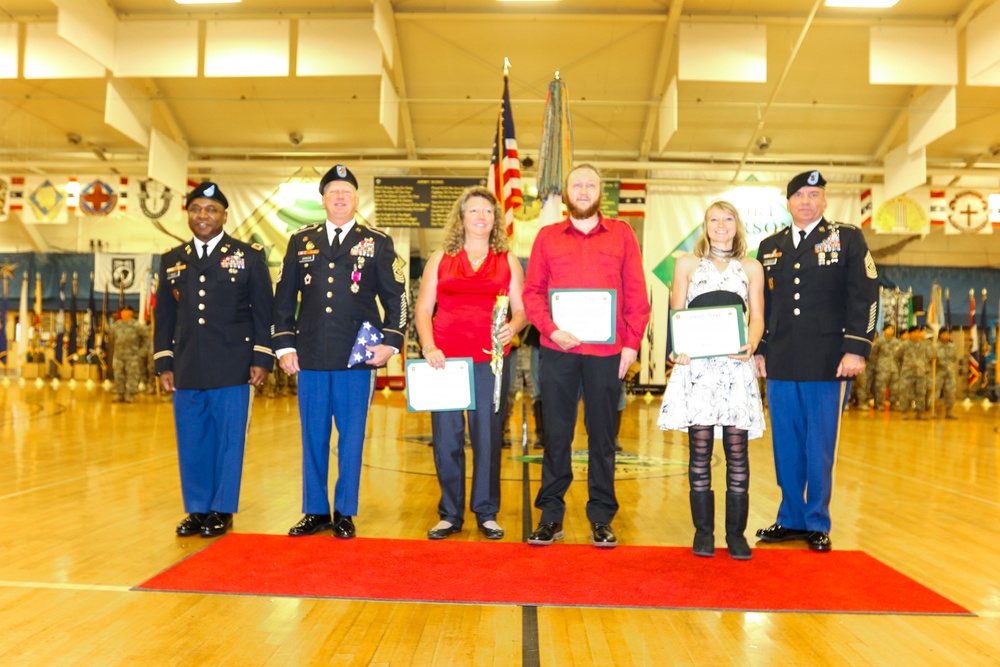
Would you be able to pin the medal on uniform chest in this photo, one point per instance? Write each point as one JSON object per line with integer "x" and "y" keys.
{"x": 356, "y": 277}
{"x": 310, "y": 245}
{"x": 308, "y": 279}
{"x": 821, "y": 257}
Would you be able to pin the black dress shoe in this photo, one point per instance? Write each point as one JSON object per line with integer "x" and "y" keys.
{"x": 311, "y": 524}
{"x": 216, "y": 523}
{"x": 491, "y": 533}
{"x": 602, "y": 536}
{"x": 546, "y": 534}
{"x": 344, "y": 528}
{"x": 191, "y": 525}
{"x": 441, "y": 533}
{"x": 776, "y": 533}
{"x": 819, "y": 541}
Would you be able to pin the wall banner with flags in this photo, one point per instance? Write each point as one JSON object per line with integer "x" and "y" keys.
{"x": 121, "y": 271}
{"x": 4, "y": 197}
{"x": 45, "y": 200}
{"x": 957, "y": 210}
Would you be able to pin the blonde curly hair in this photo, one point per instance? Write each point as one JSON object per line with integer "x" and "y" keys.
{"x": 454, "y": 228}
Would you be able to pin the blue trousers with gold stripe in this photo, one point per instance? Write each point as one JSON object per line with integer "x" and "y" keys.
{"x": 344, "y": 397}
{"x": 211, "y": 427}
{"x": 805, "y": 428}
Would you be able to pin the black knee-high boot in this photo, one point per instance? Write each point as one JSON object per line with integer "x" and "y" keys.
{"x": 737, "y": 508}
{"x": 703, "y": 515}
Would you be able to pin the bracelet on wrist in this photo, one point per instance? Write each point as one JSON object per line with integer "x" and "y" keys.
{"x": 429, "y": 348}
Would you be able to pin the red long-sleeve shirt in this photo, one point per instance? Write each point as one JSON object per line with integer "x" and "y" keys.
{"x": 607, "y": 257}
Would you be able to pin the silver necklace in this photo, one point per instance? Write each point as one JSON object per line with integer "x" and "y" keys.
{"x": 476, "y": 262}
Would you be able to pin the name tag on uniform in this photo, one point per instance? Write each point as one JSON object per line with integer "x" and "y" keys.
{"x": 174, "y": 272}
{"x": 771, "y": 258}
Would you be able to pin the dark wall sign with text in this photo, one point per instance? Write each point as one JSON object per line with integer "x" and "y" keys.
{"x": 416, "y": 201}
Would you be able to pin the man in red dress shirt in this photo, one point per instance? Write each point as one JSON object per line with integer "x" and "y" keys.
{"x": 584, "y": 252}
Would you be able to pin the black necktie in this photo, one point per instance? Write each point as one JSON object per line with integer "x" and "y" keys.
{"x": 335, "y": 244}
{"x": 204, "y": 250}
{"x": 802, "y": 236}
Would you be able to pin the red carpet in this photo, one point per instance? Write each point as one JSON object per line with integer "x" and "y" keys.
{"x": 559, "y": 575}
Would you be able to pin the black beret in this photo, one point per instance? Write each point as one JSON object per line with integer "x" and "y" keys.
{"x": 338, "y": 173}
{"x": 810, "y": 178}
{"x": 208, "y": 190}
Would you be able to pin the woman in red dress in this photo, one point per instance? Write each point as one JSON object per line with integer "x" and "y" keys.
{"x": 454, "y": 310}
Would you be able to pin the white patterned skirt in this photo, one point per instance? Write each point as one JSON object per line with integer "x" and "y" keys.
{"x": 717, "y": 391}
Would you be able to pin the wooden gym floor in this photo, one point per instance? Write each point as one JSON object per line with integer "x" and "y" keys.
{"x": 89, "y": 497}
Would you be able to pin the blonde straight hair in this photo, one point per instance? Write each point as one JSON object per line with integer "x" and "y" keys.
{"x": 702, "y": 246}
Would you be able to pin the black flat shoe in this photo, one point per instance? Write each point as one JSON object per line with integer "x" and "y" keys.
{"x": 491, "y": 533}
{"x": 191, "y": 525}
{"x": 311, "y": 524}
{"x": 819, "y": 541}
{"x": 776, "y": 533}
{"x": 344, "y": 528}
{"x": 441, "y": 533}
{"x": 216, "y": 523}
{"x": 601, "y": 535}
{"x": 546, "y": 534}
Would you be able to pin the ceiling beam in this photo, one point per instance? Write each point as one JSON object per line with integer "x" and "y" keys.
{"x": 660, "y": 78}
{"x": 762, "y": 120}
{"x": 399, "y": 81}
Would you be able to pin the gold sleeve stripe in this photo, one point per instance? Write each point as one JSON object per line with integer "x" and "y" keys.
{"x": 858, "y": 338}
{"x": 261, "y": 348}
{"x": 165, "y": 353}
{"x": 283, "y": 333}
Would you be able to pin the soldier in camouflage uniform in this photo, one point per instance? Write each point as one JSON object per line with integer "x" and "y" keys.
{"x": 884, "y": 360}
{"x": 947, "y": 370}
{"x": 913, "y": 373}
{"x": 130, "y": 341}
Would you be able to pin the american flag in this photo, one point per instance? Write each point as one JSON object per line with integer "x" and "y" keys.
{"x": 367, "y": 335}
{"x": 505, "y": 173}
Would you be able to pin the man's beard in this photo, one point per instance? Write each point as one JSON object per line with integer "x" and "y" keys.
{"x": 578, "y": 213}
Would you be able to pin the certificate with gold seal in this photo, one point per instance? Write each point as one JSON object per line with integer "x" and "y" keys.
{"x": 716, "y": 331}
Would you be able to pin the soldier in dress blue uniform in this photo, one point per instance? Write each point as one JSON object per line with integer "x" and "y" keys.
{"x": 212, "y": 343}
{"x": 337, "y": 270}
{"x": 820, "y": 305}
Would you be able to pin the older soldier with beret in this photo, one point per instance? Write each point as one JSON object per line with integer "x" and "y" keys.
{"x": 341, "y": 270}
{"x": 820, "y": 304}
{"x": 212, "y": 344}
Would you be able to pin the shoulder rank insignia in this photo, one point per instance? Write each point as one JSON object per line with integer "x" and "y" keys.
{"x": 870, "y": 270}
{"x": 397, "y": 269}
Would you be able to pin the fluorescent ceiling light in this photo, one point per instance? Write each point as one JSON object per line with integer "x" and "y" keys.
{"x": 207, "y": 2}
{"x": 863, "y": 4}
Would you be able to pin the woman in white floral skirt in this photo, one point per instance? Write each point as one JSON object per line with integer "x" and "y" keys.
{"x": 718, "y": 396}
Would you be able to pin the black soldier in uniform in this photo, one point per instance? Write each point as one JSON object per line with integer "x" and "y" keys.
{"x": 212, "y": 343}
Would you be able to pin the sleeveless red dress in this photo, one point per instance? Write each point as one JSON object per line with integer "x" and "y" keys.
{"x": 465, "y": 299}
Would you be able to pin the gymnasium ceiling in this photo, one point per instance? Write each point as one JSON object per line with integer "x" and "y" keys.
{"x": 616, "y": 57}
